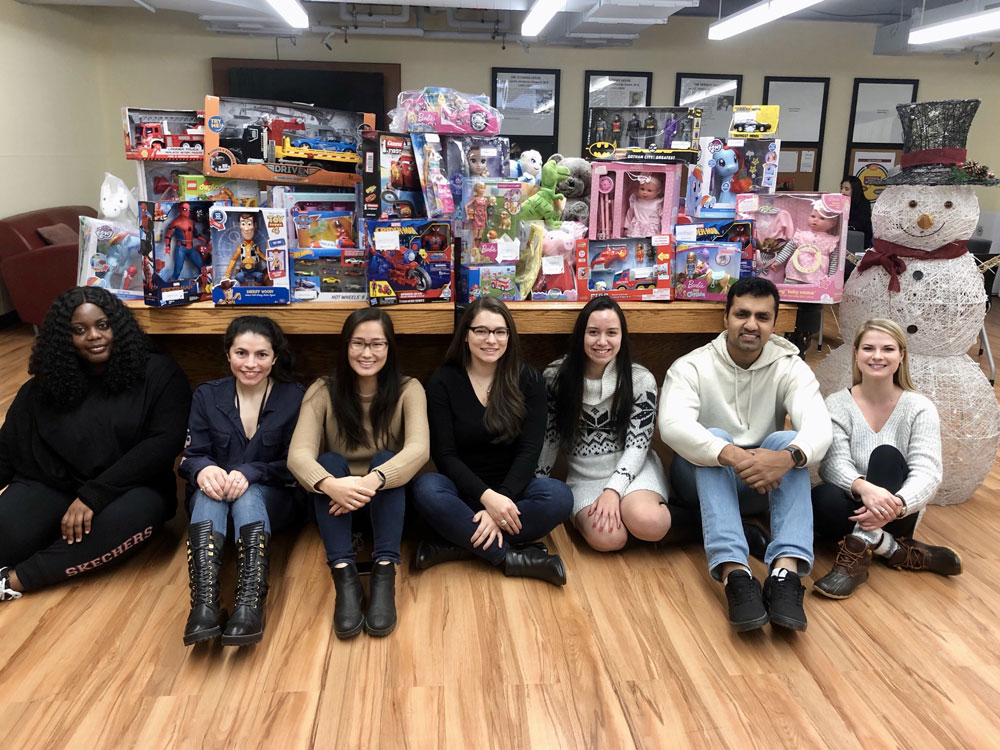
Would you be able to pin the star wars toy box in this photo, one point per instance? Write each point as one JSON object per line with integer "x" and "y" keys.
{"x": 409, "y": 261}
{"x": 256, "y": 139}
{"x": 652, "y": 135}
{"x": 754, "y": 121}
{"x": 706, "y": 270}
{"x": 251, "y": 256}
{"x": 635, "y": 269}
{"x": 800, "y": 242}
{"x": 390, "y": 180}
{"x": 196, "y": 187}
{"x": 488, "y": 281}
{"x": 163, "y": 134}
{"x": 726, "y": 169}
{"x": 110, "y": 257}
{"x": 722, "y": 230}
{"x": 176, "y": 248}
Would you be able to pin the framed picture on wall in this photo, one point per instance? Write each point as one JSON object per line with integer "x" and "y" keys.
{"x": 802, "y": 125}
{"x": 715, "y": 93}
{"x": 873, "y": 109}
{"x": 529, "y": 100}
{"x": 614, "y": 88}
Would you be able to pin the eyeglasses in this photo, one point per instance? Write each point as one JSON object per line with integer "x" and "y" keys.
{"x": 482, "y": 332}
{"x": 359, "y": 345}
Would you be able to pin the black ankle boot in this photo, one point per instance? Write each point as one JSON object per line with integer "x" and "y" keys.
{"x": 434, "y": 551}
{"x": 204, "y": 552}
{"x": 381, "y": 617}
{"x": 348, "y": 612}
{"x": 246, "y": 626}
{"x": 531, "y": 562}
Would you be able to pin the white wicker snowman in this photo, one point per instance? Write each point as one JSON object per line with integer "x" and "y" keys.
{"x": 920, "y": 275}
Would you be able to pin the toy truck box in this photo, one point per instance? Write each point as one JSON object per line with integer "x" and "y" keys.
{"x": 110, "y": 257}
{"x": 651, "y": 135}
{"x": 706, "y": 270}
{"x": 176, "y": 249}
{"x": 163, "y": 134}
{"x": 255, "y": 139}
{"x": 251, "y": 256}
{"x": 488, "y": 281}
{"x": 754, "y": 121}
{"x": 390, "y": 180}
{"x": 635, "y": 269}
{"x": 409, "y": 261}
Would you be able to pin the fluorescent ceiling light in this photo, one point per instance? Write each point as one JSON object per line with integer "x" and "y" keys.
{"x": 756, "y": 15}
{"x": 968, "y": 25}
{"x": 698, "y": 96}
{"x": 539, "y": 16}
{"x": 292, "y": 12}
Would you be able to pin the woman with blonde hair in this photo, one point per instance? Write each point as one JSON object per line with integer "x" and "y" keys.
{"x": 885, "y": 458}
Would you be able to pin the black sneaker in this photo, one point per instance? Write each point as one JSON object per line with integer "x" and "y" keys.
{"x": 746, "y": 607}
{"x": 783, "y": 597}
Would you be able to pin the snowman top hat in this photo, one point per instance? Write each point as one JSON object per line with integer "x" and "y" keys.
{"x": 934, "y": 138}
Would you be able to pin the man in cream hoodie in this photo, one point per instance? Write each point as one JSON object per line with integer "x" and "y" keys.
{"x": 722, "y": 411}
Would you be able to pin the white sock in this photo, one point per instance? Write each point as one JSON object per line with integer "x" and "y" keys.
{"x": 886, "y": 546}
{"x": 779, "y": 573}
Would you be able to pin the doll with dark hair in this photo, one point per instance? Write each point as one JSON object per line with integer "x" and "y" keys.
{"x": 360, "y": 438}
{"x": 234, "y": 464}
{"x": 88, "y": 445}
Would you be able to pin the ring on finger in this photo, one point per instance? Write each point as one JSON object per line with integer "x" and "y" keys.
{"x": 503, "y": 522}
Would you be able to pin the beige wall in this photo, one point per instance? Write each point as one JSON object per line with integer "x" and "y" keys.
{"x": 129, "y": 57}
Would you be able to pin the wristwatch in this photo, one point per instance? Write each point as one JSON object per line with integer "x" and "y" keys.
{"x": 381, "y": 478}
{"x": 797, "y": 455}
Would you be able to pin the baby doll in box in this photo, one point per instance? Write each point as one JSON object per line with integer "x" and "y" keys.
{"x": 811, "y": 254}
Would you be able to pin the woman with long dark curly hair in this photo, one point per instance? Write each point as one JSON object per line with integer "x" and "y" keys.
{"x": 234, "y": 463}
{"x": 88, "y": 445}
{"x": 602, "y": 410}
{"x": 361, "y": 436}
{"x": 487, "y": 420}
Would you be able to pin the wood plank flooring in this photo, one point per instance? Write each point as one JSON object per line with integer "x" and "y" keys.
{"x": 635, "y": 652}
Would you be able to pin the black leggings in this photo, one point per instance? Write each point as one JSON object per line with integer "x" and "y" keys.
{"x": 833, "y": 507}
{"x": 31, "y": 537}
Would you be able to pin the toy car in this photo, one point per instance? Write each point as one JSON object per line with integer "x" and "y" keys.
{"x": 354, "y": 261}
{"x": 637, "y": 278}
{"x": 331, "y": 279}
{"x": 322, "y": 145}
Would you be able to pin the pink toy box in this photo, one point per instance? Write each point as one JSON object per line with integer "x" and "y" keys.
{"x": 801, "y": 242}
{"x": 626, "y": 269}
{"x": 633, "y": 200}
{"x": 706, "y": 270}
{"x": 725, "y": 170}
{"x": 436, "y": 109}
{"x": 428, "y": 152}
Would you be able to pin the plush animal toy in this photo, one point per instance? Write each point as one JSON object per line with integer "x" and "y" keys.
{"x": 576, "y": 188}
{"x": 542, "y": 204}
{"x": 528, "y": 168}
{"x": 117, "y": 201}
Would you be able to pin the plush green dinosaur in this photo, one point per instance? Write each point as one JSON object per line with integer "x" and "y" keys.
{"x": 542, "y": 204}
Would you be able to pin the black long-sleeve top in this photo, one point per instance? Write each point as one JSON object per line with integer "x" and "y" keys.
{"x": 106, "y": 445}
{"x": 216, "y": 436}
{"x": 464, "y": 451}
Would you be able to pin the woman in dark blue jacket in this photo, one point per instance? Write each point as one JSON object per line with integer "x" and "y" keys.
{"x": 234, "y": 462}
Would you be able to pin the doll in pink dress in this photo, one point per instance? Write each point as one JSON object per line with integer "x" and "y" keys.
{"x": 645, "y": 208}
{"x": 477, "y": 212}
{"x": 773, "y": 229}
{"x": 813, "y": 254}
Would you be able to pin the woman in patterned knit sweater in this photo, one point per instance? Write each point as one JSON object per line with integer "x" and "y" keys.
{"x": 602, "y": 410}
{"x": 882, "y": 468}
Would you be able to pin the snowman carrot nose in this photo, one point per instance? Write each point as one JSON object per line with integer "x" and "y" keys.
{"x": 925, "y": 221}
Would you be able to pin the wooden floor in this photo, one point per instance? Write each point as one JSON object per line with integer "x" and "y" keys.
{"x": 634, "y": 652}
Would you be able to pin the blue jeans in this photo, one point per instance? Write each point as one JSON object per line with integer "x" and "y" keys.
{"x": 387, "y": 508}
{"x": 260, "y": 502}
{"x": 544, "y": 504}
{"x": 721, "y": 493}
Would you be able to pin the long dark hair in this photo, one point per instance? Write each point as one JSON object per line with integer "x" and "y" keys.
{"x": 569, "y": 380}
{"x": 60, "y": 373}
{"x": 343, "y": 386}
{"x": 505, "y": 408}
{"x": 860, "y": 218}
{"x": 284, "y": 361}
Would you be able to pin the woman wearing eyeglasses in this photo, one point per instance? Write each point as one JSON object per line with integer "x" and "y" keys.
{"x": 487, "y": 416}
{"x": 361, "y": 436}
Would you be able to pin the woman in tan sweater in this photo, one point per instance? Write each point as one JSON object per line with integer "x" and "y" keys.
{"x": 361, "y": 436}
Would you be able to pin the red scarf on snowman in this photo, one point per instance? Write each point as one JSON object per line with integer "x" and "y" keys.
{"x": 890, "y": 256}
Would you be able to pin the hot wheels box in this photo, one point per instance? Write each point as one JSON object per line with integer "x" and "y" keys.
{"x": 176, "y": 252}
{"x": 488, "y": 281}
{"x": 706, "y": 270}
{"x": 391, "y": 183}
{"x": 801, "y": 242}
{"x": 725, "y": 170}
{"x": 626, "y": 269}
{"x": 196, "y": 187}
{"x": 255, "y": 139}
{"x": 409, "y": 261}
{"x": 251, "y": 256}
{"x": 328, "y": 275}
{"x": 643, "y": 134}
{"x": 109, "y": 257}
{"x": 163, "y": 134}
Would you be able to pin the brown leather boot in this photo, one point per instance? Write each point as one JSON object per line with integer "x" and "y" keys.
{"x": 850, "y": 569}
{"x": 914, "y": 555}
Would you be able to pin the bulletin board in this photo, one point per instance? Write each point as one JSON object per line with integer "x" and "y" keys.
{"x": 798, "y": 169}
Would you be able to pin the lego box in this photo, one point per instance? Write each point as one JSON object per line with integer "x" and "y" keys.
{"x": 631, "y": 268}
{"x": 251, "y": 256}
{"x": 176, "y": 252}
{"x": 254, "y": 139}
{"x": 409, "y": 261}
{"x": 110, "y": 257}
{"x": 391, "y": 184}
{"x": 196, "y": 187}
